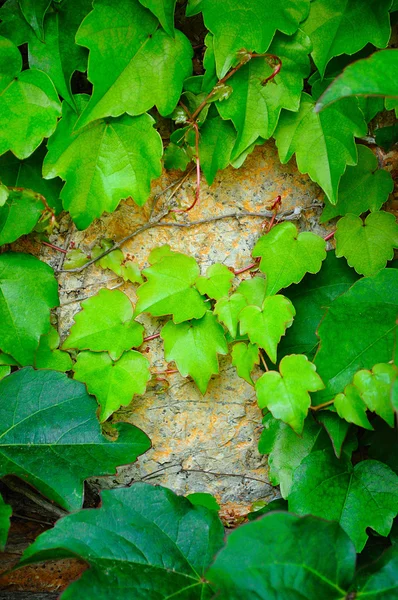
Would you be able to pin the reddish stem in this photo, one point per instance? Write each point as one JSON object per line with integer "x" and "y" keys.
{"x": 167, "y": 372}
{"x": 275, "y": 207}
{"x": 329, "y": 236}
{"x": 55, "y": 247}
{"x": 151, "y": 337}
{"x": 197, "y": 192}
{"x": 244, "y": 269}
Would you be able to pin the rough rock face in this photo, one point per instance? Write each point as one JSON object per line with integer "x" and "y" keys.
{"x": 192, "y": 433}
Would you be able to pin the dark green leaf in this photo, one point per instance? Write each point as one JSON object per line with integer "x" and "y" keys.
{"x": 382, "y": 441}
{"x": 379, "y": 580}
{"x": 51, "y": 438}
{"x": 386, "y": 137}
{"x": 176, "y": 157}
{"x": 278, "y": 504}
{"x": 5, "y": 515}
{"x": 144, "y": 543}
{"x": 19, "y": 215}
{"x": 217, "y": 139}
{"x": 34, "y": 12}
{"x": 337, "y": 429}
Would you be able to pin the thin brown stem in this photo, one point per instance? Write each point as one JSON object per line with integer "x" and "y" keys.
{"x": 57, "y": 248}
{"x": 151, "y": 337}
{"x": 320, "y": 406}
{"x": 167, "y": 372}
{"x": 263, "y": 361}
{"x": 248, "y": 268}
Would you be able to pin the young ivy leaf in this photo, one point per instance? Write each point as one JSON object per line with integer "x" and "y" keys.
{"x": 194, "y": 347}
{"x": 363, "y": 187}
{"x": 286, "y": 255}
{"x": 376, "y": 387}
{"x": 350, "y": 406}
{"x": 113, "y": 383}
{"x": 285, "y": 393}
{"x": 250, "y": 25}
{"x": 164, "y": 11}
{"x": 5, "y": 522}
{"x": 368, "y": 245}
{"x": 228, "y": 311}
{"x": 265, "y": 326}
{"x": 128, "y": 51}
{"x": 216, "y": 141}
{"x": 330, "y": 27}
{"x": 48, "y": 356}
{"x": 29, "y": 104}
{"x": 255, "y": 108}
{"x": 79, "y": 158}
{"x": 253, "y": 290}
{"x": 217, "y": 282}
{"x": 106, "y": 323}
{"x": 169, "y": 288}
{"x": 23, "y": 321}
{"x": 19, "y": 215}
{"x": 244, "y": 358}
{"x": 323, "y": 143}
{"x": 164, "y": 544}
{"x": 356, "y": 497}
{"x": 55, "y": 418}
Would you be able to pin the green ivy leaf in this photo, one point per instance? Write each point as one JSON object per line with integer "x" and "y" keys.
{"x": 285, "y": 393}
{"x": 29, "y": 104}
{"x": 253, "y": 290}
{"x": 311, "y": 297}
{"x": 27, "y": 174}
{"x": 368, "y": 245}
{"x": 217, "y": 282}
{"x": 4, "y": 371}
{"x": 370, "y": 106}
{"x": 356, "y": 497}
{"x": 244, "y": 358}
{"x": 48, "y": 356}
{"x": 387, "y": 137}
{"x": 128, "y": 51}
{"x": 381, "y": 441}
{"x": 130, "y": 271}
{"x": 175, "y": 157}
{"x": 228, "y": 311}
{"x": 4, "y": 193}
{"x": 7, "y": 359}
{"x": 373, "y": 76}
{"x": 169, "y": 289}
{"x": 79, "y": 158}
{"x": 34, "y": 12}
{"x": 203, "y": 499}
{"x": 283, "y": 559}
{"x": 286, "y": 449}
{"x": 375, "y": 388}
{"x": 5, "y": 516}
{"x": 193, "y": 7}
{"x": 265, "y": 326}
{"x": 350, "y": 406}
{"x": 286, "y": 255}
{"x": 379, "y": 580}
{"x": 250, "y": 26}
{"x": 330, "y": 27}
{"x": 216, "y": 141}
{"x": 19, "y": 215}
{"x": 105, "y": 323}
{"x": 164, "y": 544}
{"x": 357, "y": 331}
{"x": 164, "y": 11}
{"x": 74, "y": 259}
{"x": 278, "y": 504}
{"x": 194, "y": 346}
{"x": 28, "y": 290}
{"x": 114, "y": 383}
{"x": 48, "y": 422}
{"x": 13, "y": 24}
{"x": 337, "y": 429}
{"x": 255, "y": 108}
{"x": 363, "y": 187}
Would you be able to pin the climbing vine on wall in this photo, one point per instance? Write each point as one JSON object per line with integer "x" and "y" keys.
{"x": 85, "y": 90}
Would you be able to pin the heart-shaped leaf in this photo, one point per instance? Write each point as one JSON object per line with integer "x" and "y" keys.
{"x": 351, "y": 407}
{"x": 228, "y": 311}
{"x": 19, "y": 214}
{"x": 244, "y": 358}
{"x": 217, "y": 282}
{"x": 376, "y": 389}
{"x": 216, "y": 142}
{"x": 51, "y": 438}
{"x": 48, "y": 356}
{"x": 253, "y": 290}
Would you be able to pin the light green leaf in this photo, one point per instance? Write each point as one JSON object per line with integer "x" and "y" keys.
{"x": 27, "y": 174}
{"x": 19, "y": 215}
{"x": 169, "y": 289}
{"x": 4, "y": 194}
{"x": 103, "y": 163}
{"x": 363, "y": 187}
{"x": 28, "y": 291}
{"x": 254, "y": 108}
{"x": 4, "y": 371}
{"x": 350, "y": 406}
{"x": 311, "y": 297}
{"x": 29, "y": 104}
{"x": 330, "y": 137}
{"x": 34, "y": 12}
{"x": 286, "y": 449}
{"x": 357, "y": 331}
{"x": 285, "y": 393}
{"x": 144, "y": 543}
{"x": 112, "y": 261}
{"x": 7, "y": 359}
{"x": 286, "y": 255}
{"x": 217, "y": 282}
{"x": 74, "y": 259}
{"x": 373, "y": 76}
{"x": 48, "y": 356}
{"x": 194, "y": 347}
{"x": 216, "y": 141}
{"x": 375, "y": 388}
{"x": 356, "y": 497}
{"x": 228, "y": 310}
{"x": 129, "y": 52}
{"x": 5, "y": 516}
{"x": 130, "y": 271}
{"x": 253, "y": 290}
{"x": 284, "y": 558}
{"x": 392, "y": 104}
{"x": 368, "y": 245}
{"x": 203, "y": 499}
{"x": 114, "y": 383}
{"x": 244, "y": 358}
{"x": 265, "y": 326}
{"x": 51, "y": 438}
{"x": 164, "y": 11}
{"x": 193, "y": 7}
{"x": 105, "y": 323}
{"x": 250, "y": 25}
{"x": 346, "y": 26}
